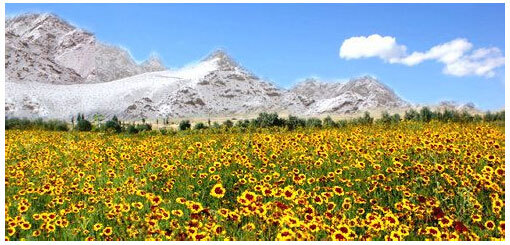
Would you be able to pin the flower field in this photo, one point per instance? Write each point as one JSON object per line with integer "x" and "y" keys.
{"x": 411, "y": 181}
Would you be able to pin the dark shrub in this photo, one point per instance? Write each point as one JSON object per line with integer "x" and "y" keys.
{"x": 131, "y": 129}
{"x": 184, "y": 125}
{"x": 294, "y": 122}
{"x": 243, "y": 123}
{"x": 425, "y": 114}
{"x": 328, "y": 122}
{"x": 313, "y": 122}
{"x": 412, "y": 115}
{"x": 83, "y": 125}
{"x": 143, "y": 127}
{"x": 56, "y": 125}
{"x": 199, "y": 126}
{"x": 269, "y": 120}
{"x": 113, "y": 126}
{"x": 228, "y": 124}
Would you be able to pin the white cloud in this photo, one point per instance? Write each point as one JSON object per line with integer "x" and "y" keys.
{"x": 481, "y": 62}
{"x": 455, "y": 55}
{"x": 372, "y": 46}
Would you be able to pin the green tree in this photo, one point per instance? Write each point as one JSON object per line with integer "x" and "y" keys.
{"x": 184, "y": 125}
{"x": 113, "y": 125}
{"x": 199, "y": 126}
{"x": 425, "y": 114}
{"x": 228, "y": 124}
{"x": 313, "y": 122}
{"x": 328, "y": 122}
{"x": 412, "y": 115}
{"x": 84, "y": 125}
{"x": 98, "y": 119}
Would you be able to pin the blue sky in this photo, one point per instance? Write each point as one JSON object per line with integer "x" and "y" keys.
{"x": 288, "y": 42}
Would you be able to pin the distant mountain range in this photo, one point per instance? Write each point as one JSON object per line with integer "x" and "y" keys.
{"x": 55, "y": 70}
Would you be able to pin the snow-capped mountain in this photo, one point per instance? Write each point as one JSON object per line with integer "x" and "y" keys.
{"x": 214, "y": 86}
{"x": 46, "y": 49}
{"x": 55, "y": 70}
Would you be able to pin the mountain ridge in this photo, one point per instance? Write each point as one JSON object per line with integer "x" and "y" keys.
{"x": 60, "y": 53}
{"x": 87, "y": 76}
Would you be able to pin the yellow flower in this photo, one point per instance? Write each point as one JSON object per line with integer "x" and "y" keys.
{"x": 218, "y": 191}
{"x": 177, "y": 212}
{"x": 25, "y": 226}
{"x": 107, "y": 231}
{"x": 338, "y": 236}
{"x": 97, "y": 226}
{"x": 285, "y": 235}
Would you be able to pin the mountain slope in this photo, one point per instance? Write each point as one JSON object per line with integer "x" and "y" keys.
{"x": 357, "y": 94}
{"x": 55, "y": 70}
{"x": 213, "y": 86}
{"x": 44, "y": 48}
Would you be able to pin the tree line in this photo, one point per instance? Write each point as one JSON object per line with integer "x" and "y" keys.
{"x": 79, "y": 123}
{"x": 264, "y": 120}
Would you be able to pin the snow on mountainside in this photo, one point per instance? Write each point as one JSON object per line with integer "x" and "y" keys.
{"x": 357, "y": 94}
{"x": 44, "y": 48}
{"x": 55, "y": 70}
{"x": 214, "y": 86}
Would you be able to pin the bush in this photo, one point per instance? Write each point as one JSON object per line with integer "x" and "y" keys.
{"x": 447, "y": 116}
{"x": 386, "y": 118}
{"x": 15, "y": 123}
{"x": 113, "y": 126}
{"x": 269, "y": 120}
{"x": 295, "y": 122}
{"x": 52, "y": 125}
{"x": 143, "y": 127}
{"x": 83, "y": 125}
{"x": 243, "y": 123}
{"x": 366, "y": 119}
{"x": 184, "y": 125}
{"x": 425, "y": 114}
{"x": 228, "y": 124}
{"x": 131, "y": 129}
{"x": 395, "y": 118}
{"x": 342, "y": 123}
{"x": 412, "y": 115}
{"x": 314, "y": 123}
{"x": 490, "y": 117}
{"x": 199, "y": 126}
{"x": 56, "y": 125}
{"x": 328, "y": 122}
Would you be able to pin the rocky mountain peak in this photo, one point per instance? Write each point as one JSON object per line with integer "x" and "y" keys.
{"x": 225, "y": 61}
{"x": 365, "y": 81}
{"x": 154, "y": 63}
{"x": 310, "y": 82}
{"x": 47, "y": 49}
{"x": 32, "y": 26}
{"x": 218, "y": 54}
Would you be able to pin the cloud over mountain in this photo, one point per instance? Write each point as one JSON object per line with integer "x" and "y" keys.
{"x": 458, "y": 56}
